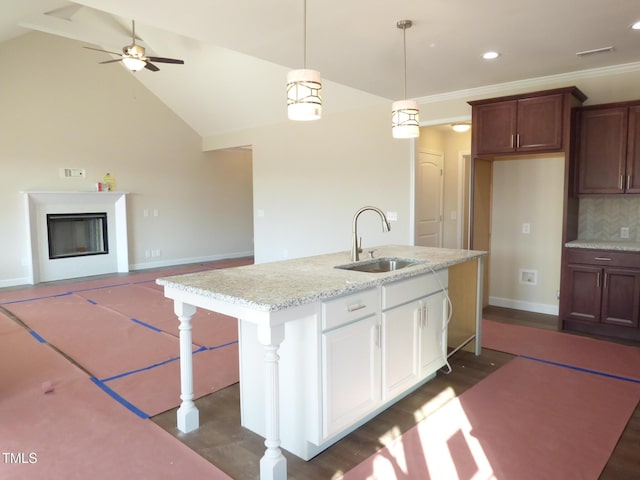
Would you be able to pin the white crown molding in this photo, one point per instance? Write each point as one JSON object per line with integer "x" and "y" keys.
{"x": 499, "y": 88}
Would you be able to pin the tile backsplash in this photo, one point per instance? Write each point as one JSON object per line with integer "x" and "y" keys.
{"x": 601, "y": 218}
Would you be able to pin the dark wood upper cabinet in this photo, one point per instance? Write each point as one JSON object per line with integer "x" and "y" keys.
{"x": 532, "y": 123}
{"x": 602, "y": 149}
{"x": 540, "y": 123}
{"x": 493, "y": 127}
{"x": 633, "y": 150}
{"x": 608, "y": 154}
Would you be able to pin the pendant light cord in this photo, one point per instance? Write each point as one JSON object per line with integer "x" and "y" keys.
{"x": 404, "y": 46}
{"x": 304, "y": 35}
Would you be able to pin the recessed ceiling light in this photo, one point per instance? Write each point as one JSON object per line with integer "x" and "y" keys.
{"x": 636, "y": 26}
{"x": 490, "y": 55}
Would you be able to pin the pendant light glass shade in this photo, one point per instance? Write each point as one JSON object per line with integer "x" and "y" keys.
{"x": 405, "y": 119}
{"x": 304, "y": 95}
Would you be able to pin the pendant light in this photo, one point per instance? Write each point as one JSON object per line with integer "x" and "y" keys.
{"x": 405, "y": 115}
{"x": 304, "y": 87}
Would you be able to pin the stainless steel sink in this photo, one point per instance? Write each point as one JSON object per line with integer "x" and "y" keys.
{"x": 379, "y": 265}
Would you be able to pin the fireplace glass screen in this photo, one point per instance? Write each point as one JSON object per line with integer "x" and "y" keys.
{"x": 77, "y": 234}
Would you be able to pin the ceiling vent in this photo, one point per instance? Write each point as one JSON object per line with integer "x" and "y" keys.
{"x": 595, "y": 51}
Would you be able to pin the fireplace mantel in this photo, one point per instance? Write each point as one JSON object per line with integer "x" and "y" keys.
{"x": 39, "y": 203}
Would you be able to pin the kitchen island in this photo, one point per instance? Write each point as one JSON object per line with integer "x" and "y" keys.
{"x": 331, "y": 347}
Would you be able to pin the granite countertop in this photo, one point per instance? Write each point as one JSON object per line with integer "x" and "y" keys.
{"x": 284, "y": 284}
{"x": 601, "y": 245}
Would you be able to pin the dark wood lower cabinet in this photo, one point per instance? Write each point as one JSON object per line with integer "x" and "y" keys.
{"x": 621, "y": 297}
{"x": 601, "y": 299}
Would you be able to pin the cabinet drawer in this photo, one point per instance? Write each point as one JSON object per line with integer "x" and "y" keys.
{"x": 603, "y": 257}
{"x": 343, "y": 310}
{"x": 406, "y": 290}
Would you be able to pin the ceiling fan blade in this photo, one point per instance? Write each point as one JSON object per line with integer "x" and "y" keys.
{"x": 166, "y": 60}
{"x": 105, "y": 51}
{"x": 111, "y": 61}
{"x": 150, "y": 66}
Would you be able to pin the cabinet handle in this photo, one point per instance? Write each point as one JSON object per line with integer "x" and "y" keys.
{"x": 358, "y": 306}
{"x": 426, "y": 317}
{"x": 628, "y": 182}
{"x": 511, "y": 140}
{"x": 605, "y": 259}
{"x": 518, "y": 140}
{"x": 598, "y": 280}
{"x": 621, "y": 182}
{"x": 605, "y": 280}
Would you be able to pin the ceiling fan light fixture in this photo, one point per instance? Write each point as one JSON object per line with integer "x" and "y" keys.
{"x": 134, "y": 64}
{"x": 304, "y": 86}
{"x": 461, "y": 127}
{"x": 405, "y": 114}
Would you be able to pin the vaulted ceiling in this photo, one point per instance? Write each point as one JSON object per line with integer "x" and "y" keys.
{"x": 237, "y": 52}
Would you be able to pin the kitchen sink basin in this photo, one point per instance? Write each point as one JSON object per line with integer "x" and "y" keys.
{"x": 379, "y": 265}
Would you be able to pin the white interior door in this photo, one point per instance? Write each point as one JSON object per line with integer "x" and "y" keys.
{"x": 428, "y": 208}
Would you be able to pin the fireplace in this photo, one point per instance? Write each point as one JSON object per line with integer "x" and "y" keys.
{"x": 77, "y": 234}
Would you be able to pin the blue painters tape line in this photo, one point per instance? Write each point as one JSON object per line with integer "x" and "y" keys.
{"x": 580, "y": 369}
{"x": 33, "y": 299}
{"x": 155, "y": 365}
{"x": 140, "y": 322}
{"x": 102, "y": 287}
{"x": 93, "y": 302}
{"x": 222, "y": 345}
{"x": 117, "y": 397}
{"x": 37, "y": 337}
{"x": 132, "y": 372}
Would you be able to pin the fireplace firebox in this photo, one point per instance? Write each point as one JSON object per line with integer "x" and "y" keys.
{"x": 77, "y": 234}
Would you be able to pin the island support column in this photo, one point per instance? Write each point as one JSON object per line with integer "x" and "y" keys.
{"x": 273, "y": 465}
{"x": 188, "y": 415}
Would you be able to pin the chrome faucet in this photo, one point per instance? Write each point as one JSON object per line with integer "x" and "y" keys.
{"x": 356, "y": 244}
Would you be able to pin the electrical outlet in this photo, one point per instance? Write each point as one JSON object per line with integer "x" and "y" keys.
{"x": 624, "y": 232}
{"x": 392, "y": 216}
{"x": 526, "y": 228}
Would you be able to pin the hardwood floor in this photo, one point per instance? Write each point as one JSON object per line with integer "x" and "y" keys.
{"x": 237, "y": 451}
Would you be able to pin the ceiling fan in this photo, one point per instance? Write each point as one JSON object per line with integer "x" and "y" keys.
{"x": 133, "y": 55}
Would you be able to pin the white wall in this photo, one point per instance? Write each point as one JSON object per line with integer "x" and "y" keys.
{"x": 310, "y": 178}
{"x": 527, "y": 191}
{"x": 60, "y": 111}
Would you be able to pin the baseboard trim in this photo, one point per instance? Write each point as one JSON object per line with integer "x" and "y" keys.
{"x": 14, "y": 282}
{"x": 186, "y": 261}
{"x": 526, "y": 306}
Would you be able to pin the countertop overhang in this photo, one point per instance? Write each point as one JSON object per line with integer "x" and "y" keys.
{"x": 280, "y": 285}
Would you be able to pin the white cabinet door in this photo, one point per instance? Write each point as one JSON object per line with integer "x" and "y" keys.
{"x": 400, "y": 348}
{"x": 351, "y": 374}
{"x": 433, "y": 335}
